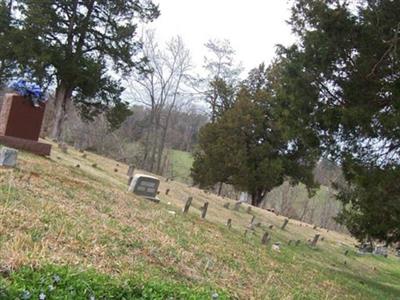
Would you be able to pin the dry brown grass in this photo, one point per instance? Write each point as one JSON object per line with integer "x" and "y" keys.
{"x": 53, "y": 212}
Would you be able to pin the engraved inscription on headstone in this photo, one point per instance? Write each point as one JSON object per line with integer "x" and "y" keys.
{"x": 145, "y": 186}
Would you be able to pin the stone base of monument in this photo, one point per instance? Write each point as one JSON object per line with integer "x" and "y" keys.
{"x": 20, "y": 125}
{"x": 26, "y": 145}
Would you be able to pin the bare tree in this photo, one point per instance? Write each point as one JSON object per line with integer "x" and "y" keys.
{"x": 160, "y": 89}
{"x": 222, "y": 76}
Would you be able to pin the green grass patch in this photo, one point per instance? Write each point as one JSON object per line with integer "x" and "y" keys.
{"x": 181, "y": 163}
{"x": 56, "y": 282}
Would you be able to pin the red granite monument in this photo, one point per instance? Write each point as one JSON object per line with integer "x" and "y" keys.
{"x": 20, "y": 125}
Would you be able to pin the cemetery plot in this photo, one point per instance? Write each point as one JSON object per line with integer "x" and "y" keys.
{"x": 128, "y": 226}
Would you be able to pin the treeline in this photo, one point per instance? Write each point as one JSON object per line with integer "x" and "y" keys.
{"x": 127, "y": 143}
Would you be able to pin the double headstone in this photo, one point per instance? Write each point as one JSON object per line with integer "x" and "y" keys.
{"x": 145, "y": 186}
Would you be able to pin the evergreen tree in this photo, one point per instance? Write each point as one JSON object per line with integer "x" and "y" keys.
{"x": 73, "y": 44}
{"x": 6, "y": 63}
{"x": 347, "y": 61}
{"x": 371, "y": 202}
{"x": 251, "y": 147}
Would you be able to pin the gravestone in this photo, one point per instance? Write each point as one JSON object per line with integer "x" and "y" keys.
{"x": 381, "y": 250}
{"x": 229, "y": 223}
{"x": 365, "y": 248}
{"x": 248, "y": 210}
{"x": 265, "y": 239}
{"x": 315, "y": 240}
{"x": 8, "y": 157}
{"x": 145, "y": 186}
{"x": 276, "y": 247}
{"x": 237, "y": 206}
{"x": 226, "y": 205}
{"x": 187, "y": 205}
{"x": 204, "y": 210}
{"x": 20, "y": 125}
{"x": 284, "y": 224}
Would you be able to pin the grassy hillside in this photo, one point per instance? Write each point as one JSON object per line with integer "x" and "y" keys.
{"x": 181, "y": 163}
{"x": 80, "y": 224}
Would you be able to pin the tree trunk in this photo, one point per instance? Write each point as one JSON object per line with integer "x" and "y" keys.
{"x": 63, "y": 96}
{"x": 144, "y": 164}
{"x": 257, "y": 197}
{"x": 305, "y": 208}
{"x": 154, "y": 145}
{"x": 163, "y": 139}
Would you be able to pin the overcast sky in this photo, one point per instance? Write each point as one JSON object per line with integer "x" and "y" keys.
{"x": 254, "y": 27}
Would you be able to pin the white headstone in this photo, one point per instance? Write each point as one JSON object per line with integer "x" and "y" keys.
{"x": 145, "y": 186}
{"x": 244, "y": 197}
{"x": 8, "y": 157}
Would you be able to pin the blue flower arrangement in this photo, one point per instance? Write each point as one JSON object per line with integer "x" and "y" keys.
{"x": 29, "y": 90}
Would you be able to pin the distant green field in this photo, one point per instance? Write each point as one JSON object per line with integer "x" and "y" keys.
{"x": 181, "y": 163}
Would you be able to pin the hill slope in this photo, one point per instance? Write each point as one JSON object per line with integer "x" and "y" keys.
{"x": 53, "y": 213}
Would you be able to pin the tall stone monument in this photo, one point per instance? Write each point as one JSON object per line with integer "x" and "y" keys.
{"x": 20, "y": 125}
